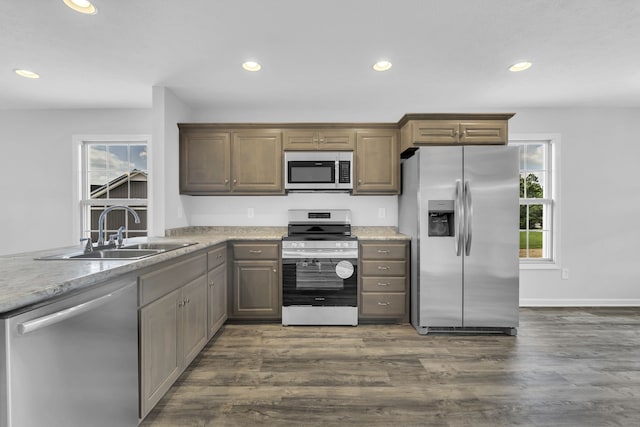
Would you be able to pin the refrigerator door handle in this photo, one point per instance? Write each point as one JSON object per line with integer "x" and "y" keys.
{"x": 468, "y": 217}
{"x": 459, "y": 218}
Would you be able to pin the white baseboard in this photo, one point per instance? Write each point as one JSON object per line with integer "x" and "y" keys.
{"x": 543, "y": 302}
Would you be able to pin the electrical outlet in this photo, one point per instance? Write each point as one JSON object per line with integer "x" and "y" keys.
{"x": 250, "y": 212}
{"x": 565, "y": 274}
{"x": 382, "y": 212}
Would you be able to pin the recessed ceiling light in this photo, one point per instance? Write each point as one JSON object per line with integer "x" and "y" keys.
{"x": 251, "y": 66}
{"x": 82, "y": 6}
{"x": 27, "y": 73}
{"x": 382, "y": 65}
{"x": 520, "y": 66}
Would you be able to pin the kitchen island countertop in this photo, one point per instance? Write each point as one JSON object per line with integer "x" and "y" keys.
{"x": 25, "y": 281}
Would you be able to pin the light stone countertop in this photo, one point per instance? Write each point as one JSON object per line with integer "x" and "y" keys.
{"x": 25, "y": 281}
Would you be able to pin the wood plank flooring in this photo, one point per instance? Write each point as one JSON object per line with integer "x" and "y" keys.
{"x": 567, "y": 367}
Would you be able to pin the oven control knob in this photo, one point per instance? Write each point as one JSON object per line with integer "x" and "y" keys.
{"x": 294, "y": 245}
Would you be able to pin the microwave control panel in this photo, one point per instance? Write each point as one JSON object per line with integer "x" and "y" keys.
{"x": 344, "y": 172}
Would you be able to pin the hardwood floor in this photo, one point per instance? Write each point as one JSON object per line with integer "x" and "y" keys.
{"x": 566, "y": 367}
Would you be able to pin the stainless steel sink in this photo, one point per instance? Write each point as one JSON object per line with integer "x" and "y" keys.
{"x": 117, "y": 254}
{"x": 128, "y": 252}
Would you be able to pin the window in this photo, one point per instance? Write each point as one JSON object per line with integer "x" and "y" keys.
{"x": 538, "y": 199}
{"x": 114, "y": 172}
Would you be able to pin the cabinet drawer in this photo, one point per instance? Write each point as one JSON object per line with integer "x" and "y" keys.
{"x": 383, "y": 251}
{"x": 162, "y": 281}
{"x": 384, "y": 284}
{"x": 383, "y": 268}
{"x": 255, "y": 251}
{"x": 384, "y": 304}
{"x": 216, "y": 257}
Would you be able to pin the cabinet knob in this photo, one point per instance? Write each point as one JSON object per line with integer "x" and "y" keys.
{"x": 235, "y": 181}
{"x": 226, "y": 181}
{"x": 275, "y": 271}
{"x": 211, "y": 283}
{"x": 180, "y": 303}
{"x": 359, "y": 181}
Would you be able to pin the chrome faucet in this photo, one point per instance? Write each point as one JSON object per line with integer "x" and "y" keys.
{"x": 103, "y": 219}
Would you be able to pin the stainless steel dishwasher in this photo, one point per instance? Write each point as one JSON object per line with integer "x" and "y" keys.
{"x": 73, "y": 362}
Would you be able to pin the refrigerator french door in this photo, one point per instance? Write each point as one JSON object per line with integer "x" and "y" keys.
{"x": 460, "y": 204}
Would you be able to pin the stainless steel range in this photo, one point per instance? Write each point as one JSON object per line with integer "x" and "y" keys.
{"x": 320, "y": 269}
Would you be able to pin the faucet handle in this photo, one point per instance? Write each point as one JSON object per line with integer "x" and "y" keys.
{"x": 88, "y": 248}
{"x": 118, "y": 235}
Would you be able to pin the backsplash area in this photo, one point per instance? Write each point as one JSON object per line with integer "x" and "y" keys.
{"x": 272, "y": 210}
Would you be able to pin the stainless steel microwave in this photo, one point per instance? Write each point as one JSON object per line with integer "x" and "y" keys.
{"x": 318, "y": 170}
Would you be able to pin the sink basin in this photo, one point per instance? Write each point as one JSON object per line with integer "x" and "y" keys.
{"x": 129, "y": 252}
{"x": 116, "y": 254}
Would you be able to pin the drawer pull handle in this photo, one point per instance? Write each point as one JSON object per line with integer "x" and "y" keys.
{"x": 383, "y": 267}
{"x": 255, "y": 251}
{"x": 383, "y": 284}
{"x": 384, "y": 304}
{"x": 383, "y": 251}
{"x": 211, "y": 283}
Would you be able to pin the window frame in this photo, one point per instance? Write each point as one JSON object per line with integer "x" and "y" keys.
{"x": 551, "y": 199}
{"x": 81, "y": 209}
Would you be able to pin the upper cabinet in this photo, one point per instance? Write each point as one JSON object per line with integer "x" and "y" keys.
{"x": 247, "y": 158}
{"x": 319, "y": 139}
{"x": 377, "y": 161}
{"x": 454, "y": 129}
{"x": 216, "y": 161}
{"x": 256, "y": 162}
{"x": 205, "y": 162}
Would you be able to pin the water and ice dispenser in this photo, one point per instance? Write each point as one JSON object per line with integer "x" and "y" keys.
{"x": 441, "y": 222}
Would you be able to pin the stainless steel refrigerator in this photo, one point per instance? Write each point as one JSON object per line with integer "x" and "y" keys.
{"x": 460, "y": 206}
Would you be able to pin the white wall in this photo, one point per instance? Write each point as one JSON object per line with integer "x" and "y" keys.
{"x": 36, "y": 170}
{"x": 600, "y": 207}
{"x": 234, "y": 210}
{"x": 168, "y": 111}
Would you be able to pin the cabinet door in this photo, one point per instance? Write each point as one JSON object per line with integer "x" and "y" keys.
{"x": 377, "y": 162}
{"x": 484, "y": 132}
{"x": 255, "y": 290}
{"x": 300, "y": 139}
{"x": 436, "y": 132}
{"x": 257, "y": 162}
{"x": 194, "y": 319}
{"x": 205, "y": 162}
{"x": 338, "y": 139}
{"x": 160, "y": 358}
{"x": 217, "y": 297}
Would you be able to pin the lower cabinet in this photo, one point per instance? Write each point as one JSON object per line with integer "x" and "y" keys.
{"x": 384, "y": 280}
{"x": 255, "y": 288}
{"x": 217, "y": 289}
{"x": 173, "y": 325}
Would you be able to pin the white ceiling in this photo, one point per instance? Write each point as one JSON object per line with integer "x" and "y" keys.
{"x": 448, "y": 55}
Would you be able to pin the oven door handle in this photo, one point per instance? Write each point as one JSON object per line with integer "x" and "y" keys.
{"x": 347, "y": 256}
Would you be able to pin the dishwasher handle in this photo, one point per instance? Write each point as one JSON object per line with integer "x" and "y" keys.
{"x": 62, "y": 315}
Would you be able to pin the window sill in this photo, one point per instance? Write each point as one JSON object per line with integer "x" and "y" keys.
{"x": 543, "y": 265}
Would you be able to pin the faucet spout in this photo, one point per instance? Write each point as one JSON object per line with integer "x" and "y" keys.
{"x": 103, "y": 219}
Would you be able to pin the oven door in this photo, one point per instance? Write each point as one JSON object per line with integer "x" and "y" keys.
{"x": 320, "y": 282}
